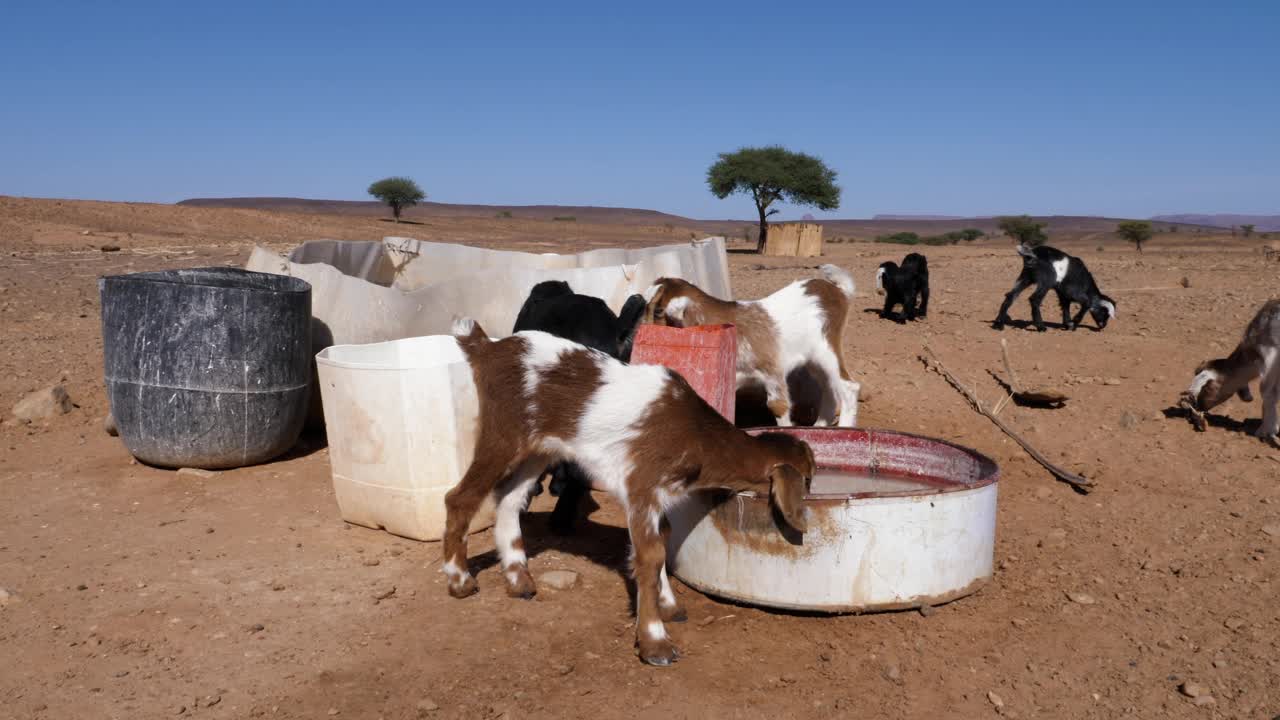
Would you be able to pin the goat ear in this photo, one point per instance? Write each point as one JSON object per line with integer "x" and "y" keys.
{"x": 691, "y": 315}
{"x": 653, "y": 300}
{"x": 787, "y": 491}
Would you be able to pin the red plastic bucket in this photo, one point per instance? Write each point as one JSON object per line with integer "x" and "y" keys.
{"x": 706, "y": 356}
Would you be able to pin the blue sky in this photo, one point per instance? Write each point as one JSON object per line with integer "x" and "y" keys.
{"x": 1117, "y": 108}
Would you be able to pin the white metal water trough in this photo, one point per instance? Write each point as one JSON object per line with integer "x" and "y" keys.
{"x": 896, "y": 521}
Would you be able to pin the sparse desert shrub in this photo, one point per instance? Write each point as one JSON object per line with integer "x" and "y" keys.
{"x": 1101, "y": 249}
{"x": 504, "y": 214}
{"x": 565, "y": 218}
{"x": 1247, "y": 229}
{"x": 1023, "y": 229}
{"x": 901, "y": 238}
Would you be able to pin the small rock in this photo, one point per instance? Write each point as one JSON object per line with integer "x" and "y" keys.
{"x": 277, "y": 587}
{"x": 427, "y": 706}
{"x": 333, "y": 711}
{"x": 558, "y": 579}
{"x": 372, "y": 562}
{"x": 1193, "y": 690}
{"x": 212, "y": 700}
{"x": 380, "y": 594}
{"x": 1128, "y": 420}
{"x": 995, "y": 699}
{"x": 1219, "y": 663}
{"x": 1185, "y": 282}
{"x": 1081, "y": 598}
{"x": 1272, "y": 530}
{"x": 892, "y": 673}
{"x": 1019, "y": 623}
{"x": 196, "y": 473}
{"x": 8, "y": 597}
{"x": 564, "y": 669}
{"x": 1204, "y": 700}
{"x": 1111, "y": 381}
{"x": 110, "y": 248}
{"x": 926, "y": 610}
{"x": 82, "y": 586}
{"x": 41, "y": 404}
{"x": 1234, "y": 623}
{"x": 109, "y": 426}
{"x": 181, "y": 710}
{"x": 257, "y": 628}
{"x": 707, "y": 620}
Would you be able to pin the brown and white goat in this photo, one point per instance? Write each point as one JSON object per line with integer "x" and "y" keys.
{"x": 639, "y": 432}
{"x": 799, "y": 327}
{"x": 1257, "y": 356}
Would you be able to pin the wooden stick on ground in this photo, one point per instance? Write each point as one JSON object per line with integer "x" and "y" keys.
{"x": 1014, "y": 385}
{"x": 1080, "y": 484}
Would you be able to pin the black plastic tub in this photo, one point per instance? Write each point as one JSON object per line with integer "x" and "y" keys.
{"x": 207, "y": 367}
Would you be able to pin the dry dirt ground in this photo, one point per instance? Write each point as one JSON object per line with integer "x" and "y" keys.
{"x": 138, "y": 593}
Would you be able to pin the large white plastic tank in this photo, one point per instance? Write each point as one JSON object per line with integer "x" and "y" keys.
{"x": 402, "y": 418}
{"x": 419, "y": 263}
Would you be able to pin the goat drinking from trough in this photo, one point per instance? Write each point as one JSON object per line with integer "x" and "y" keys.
{"x": 1051, "y": 269}
{"x": 1256, "y": 357}
{"x": 639, "y": 432}
{"x": 797, "y": 328}
{"x": 906, "y": 285}
{"x": 553, "y": 307}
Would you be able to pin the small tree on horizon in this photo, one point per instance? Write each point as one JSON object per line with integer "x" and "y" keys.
{"x": 397, "y": 192}
{"x": 1135, "y": 231}
{"x": 770, "y": 174}
{"x": 1023, "y": 229}
{"x": 1247, "y": 230}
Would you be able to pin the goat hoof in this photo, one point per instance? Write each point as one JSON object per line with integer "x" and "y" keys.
{"x": 673, "y": 614}
{"x": 997, "y": 326}
{"x": 658, "y": 653}
{"x": 465, "y": 588}
{"x": 520, "y": 584}
{"x": 1041, "y": 328}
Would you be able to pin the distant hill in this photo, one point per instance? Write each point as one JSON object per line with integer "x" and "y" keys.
{"x": 917, "y": 217}
{"x": 1060, "y": 227}
{"x": 1262, "y": 223}
{"x": 623, "y": 216}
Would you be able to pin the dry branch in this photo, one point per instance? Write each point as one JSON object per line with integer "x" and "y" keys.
{"x": 1081, "y": 484}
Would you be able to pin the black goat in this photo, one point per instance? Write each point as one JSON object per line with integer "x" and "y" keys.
{"x": 1051, "y": 269}
{"x": 553, "y": 307}
{"x": 905, "y": 285}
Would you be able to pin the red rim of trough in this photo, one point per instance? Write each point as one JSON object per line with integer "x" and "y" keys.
{"x": 987, "y": 471}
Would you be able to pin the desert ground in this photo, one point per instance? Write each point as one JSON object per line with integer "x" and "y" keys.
{"x": 135, "y": 592}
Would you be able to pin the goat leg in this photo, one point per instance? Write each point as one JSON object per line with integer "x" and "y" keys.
{"x": 1037, "y": 297}
{"x": 652, "y": 643}
{"x": 1002, "y": 317}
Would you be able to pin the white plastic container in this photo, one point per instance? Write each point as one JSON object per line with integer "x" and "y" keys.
{"x": 402, "y": 421}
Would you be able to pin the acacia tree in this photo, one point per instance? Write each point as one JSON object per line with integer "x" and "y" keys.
{"x": 1247, "y": 229}
{"x": 774, "y": 173}
{"x": 1023, "y": 229}
{"x": 398, "y": 192}
{"x": 1135, "y": 231}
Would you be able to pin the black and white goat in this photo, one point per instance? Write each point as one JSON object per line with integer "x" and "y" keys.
{"x": 553, "y": 307}
{"x": 641, "y": 434}
{"x": 906, "y": 285}
{"x": 1051, "y": 269}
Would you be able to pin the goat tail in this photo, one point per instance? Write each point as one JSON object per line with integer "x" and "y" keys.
{"x": 468, "y": 331}
{"x": 839, "y": 277}
{"x": 628, "y": 323}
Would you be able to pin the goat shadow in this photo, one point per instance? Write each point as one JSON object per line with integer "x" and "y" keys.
{"x": 1027, "y": 324}
{"x": 1221, "y": 422}
{"x": 604, "y": 545}
{"x": 897, "y": 317}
